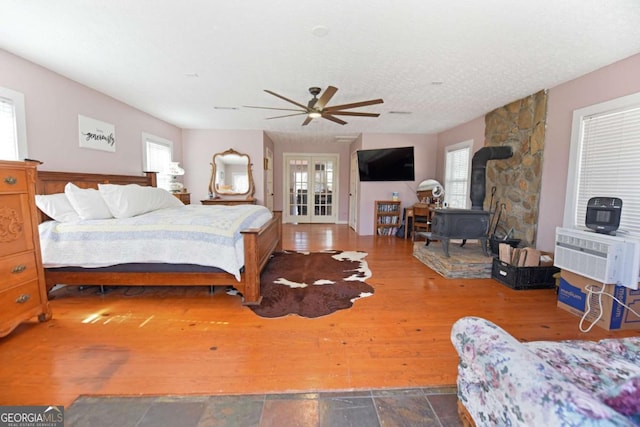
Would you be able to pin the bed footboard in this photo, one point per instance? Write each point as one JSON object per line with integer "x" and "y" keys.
{"x": 259, "y": 244}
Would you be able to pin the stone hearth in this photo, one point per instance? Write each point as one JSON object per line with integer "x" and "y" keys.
{"x": 467, "y": 262}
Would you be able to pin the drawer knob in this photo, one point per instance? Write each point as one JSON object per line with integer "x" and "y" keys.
{"x": 10, "y": 180}
{"x": 19, "y": 269}
{"x": 23, "y": 298}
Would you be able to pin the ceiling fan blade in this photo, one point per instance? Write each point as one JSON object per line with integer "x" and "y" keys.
{"x": 353, "y": 113}
{"x": 288, "y": 115}
{"x": 325, "y": 97}
{"x": 271, "y": 108}
{"x": 353, "y": 105}
{"x": 287, "y": 99}
{"x": 333, "y": 119}
{"x": 307, "y": 121}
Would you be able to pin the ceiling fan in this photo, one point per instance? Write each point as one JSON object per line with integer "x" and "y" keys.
{"x": 317, "y": 107}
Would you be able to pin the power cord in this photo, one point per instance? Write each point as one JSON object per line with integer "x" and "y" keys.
{"x": 599, "y": 291}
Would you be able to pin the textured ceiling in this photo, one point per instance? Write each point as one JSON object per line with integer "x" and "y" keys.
{"x": 444, "y": 61}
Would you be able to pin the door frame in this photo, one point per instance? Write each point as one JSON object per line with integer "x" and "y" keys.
{"x": 353, "y": 192}
{"x": 269, "y": 184}
{"x": 286, "y": 217}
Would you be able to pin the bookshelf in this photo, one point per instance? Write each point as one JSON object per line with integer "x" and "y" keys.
{"x": 387, "y": 217}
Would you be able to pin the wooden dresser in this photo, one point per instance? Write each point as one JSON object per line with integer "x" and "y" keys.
{"x": 23, "y": 292}
{"x": 229, "y": 202}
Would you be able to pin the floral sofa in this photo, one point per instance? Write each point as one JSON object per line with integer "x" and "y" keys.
{"x": 503, "y": 382}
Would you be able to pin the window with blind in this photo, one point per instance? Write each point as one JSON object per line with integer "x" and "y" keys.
{"x": 457, "y": 172}
{"x": 158, "y": 152}
{"x": 605, "y": 161}
{"x": 13, "y": 135}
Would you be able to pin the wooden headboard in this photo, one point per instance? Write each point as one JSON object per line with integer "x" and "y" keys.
{"x": 54, "y": 182}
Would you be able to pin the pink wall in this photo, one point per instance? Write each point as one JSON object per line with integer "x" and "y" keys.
{"x": 201, "y": 145}
{"x": 616, "y": 80}
{"x": 425, "y": 152}
{"x": 471, "y": 130}
{"x": 52, "y": 104}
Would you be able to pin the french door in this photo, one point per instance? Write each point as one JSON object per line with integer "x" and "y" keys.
{"x": 310, "y": 188}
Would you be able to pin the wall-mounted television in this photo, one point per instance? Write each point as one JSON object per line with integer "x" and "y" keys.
{"x": 386, "y": 164}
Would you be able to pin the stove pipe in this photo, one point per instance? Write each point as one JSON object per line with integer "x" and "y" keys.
{"x": 479, "y": 169}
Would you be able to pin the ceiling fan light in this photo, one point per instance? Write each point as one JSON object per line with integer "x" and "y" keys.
{"x": 315, "y": 114}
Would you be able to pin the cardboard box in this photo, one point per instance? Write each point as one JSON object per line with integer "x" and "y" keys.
{"x": 494, "y": 244}
{"x": 573, "y": 295}
{"x": 505, "y": 252}
{"x": 524, "y": 257}
{"x": 531, "y": 259}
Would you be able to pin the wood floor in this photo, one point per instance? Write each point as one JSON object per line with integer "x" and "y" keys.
{"x": 179, "y": 341}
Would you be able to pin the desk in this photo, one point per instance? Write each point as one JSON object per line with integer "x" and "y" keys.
{"x": 409, "y": 217}
{"x": 408, "y": 213}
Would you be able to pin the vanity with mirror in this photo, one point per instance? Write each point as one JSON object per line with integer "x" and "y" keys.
{"x": 231, "y": 180}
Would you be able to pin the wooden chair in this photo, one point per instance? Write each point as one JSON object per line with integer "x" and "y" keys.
{"x": 421, "y": 219}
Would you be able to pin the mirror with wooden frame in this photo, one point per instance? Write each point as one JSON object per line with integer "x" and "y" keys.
{"x": 231, "y": 175}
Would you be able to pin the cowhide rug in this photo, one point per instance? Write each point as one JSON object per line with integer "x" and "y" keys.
{"x": 312, "y": 284}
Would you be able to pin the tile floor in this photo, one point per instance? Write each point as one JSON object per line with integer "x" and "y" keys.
{"x": 402, "y": 407}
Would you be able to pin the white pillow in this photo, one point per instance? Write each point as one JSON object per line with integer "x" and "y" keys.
{"x": 57, "y": 207}
{"x": 129, "y": 200}
{"x": 87, "y": 202}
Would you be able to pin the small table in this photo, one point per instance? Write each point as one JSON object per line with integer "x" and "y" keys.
{"x": 184, "y": 197}
{"x": 228, "y": 202}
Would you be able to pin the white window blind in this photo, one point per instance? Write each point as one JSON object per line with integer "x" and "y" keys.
{"x": 456, "y": 182}
{"x": 8, "y": 130}
{"x": 609, "y": 164}
{"x": 158, "y": 154}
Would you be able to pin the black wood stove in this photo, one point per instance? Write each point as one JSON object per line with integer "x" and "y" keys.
{"x": 447, "y": 224}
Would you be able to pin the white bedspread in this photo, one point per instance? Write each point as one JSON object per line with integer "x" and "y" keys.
{"x": 191, "y": 234}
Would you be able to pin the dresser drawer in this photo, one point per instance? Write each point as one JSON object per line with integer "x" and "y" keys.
{"x": 13, "y": 180}
{"x": 17, "y": 269}
{"x": 15, "y": 224}
{"x": 18, "y": 300}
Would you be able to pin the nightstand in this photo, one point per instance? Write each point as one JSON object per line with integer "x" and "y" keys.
{"x": 184, "y": 197}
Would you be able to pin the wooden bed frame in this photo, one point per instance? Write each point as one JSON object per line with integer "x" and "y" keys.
{"x": 259, "y": 244}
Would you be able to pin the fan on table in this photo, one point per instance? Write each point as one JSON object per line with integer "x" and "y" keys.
{"x": 317, "y": 107}
{"x": 438, "y": 192}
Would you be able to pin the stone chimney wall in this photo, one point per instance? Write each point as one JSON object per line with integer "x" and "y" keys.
{"x": 521, "y": 125}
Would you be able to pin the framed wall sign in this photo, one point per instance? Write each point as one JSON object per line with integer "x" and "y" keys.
{"x": 95, "y": 134}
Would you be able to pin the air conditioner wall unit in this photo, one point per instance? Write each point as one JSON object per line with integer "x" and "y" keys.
{"x": 601, "y": 257}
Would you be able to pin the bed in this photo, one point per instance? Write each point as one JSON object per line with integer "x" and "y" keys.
{"x": 259, "y": 243}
